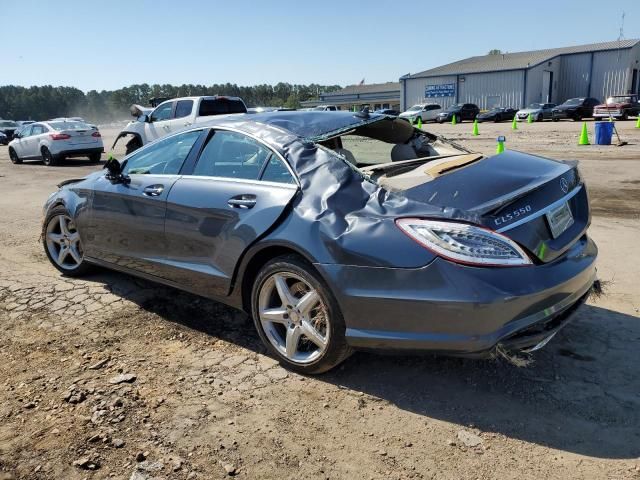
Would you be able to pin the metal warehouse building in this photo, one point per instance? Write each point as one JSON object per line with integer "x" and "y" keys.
{"x": 374, "y": 96}
{"x": 518, "y": 79}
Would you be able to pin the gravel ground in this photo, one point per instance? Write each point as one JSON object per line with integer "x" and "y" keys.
{"x": 114, "y": 377}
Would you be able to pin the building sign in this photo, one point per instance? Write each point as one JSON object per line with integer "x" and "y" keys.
{"x": 445, "y": 90}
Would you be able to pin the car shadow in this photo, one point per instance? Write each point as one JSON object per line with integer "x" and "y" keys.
{"x": 70, "y": 162}
{"x": 580, "y": 394}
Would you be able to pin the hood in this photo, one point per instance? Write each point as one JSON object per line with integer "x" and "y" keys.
{"x": 614, "y": 105}
{"x": 138, "y": 110}
{"x": 487, "y": 114}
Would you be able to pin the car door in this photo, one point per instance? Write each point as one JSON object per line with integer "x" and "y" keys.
{"x": 182, "y": 115}
{"x": 126, "y": 226}
{"x": 22, "y": 144}
{"x": 237, "y": 190}
{"x": 159, "y": 124}
{"x": 35, "y": 139}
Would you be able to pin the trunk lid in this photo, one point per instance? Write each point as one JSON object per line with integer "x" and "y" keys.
{"x": 511, "y": 193}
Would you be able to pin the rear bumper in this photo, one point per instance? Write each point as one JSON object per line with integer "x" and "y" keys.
{"x": 450, "y": 308}
{"x": 80, "y": 152}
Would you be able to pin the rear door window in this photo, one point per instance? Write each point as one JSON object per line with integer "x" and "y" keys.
{"x": 276, "y": 171}
{"x": 183, "y": 108}
{"x": 232, "y": 155}
{"x": 38, "y": 130}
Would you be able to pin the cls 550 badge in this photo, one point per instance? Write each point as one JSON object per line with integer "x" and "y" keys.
{"x": 507, "y": 217}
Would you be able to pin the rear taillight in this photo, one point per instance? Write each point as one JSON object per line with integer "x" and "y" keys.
{"x": 96, "y": 134}
{"x": 60, "y": 136}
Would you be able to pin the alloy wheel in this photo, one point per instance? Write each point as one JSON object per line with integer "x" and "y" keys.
{"x": 63, "y": 242}
{"x": 294, "y": 317}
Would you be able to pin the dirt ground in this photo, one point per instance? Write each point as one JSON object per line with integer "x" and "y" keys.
{"x": 114, "y": 377}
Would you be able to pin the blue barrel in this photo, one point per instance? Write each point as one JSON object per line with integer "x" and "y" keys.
{"x": 604, "y": 131}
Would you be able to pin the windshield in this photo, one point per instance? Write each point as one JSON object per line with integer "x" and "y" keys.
{"x": 415, "y": 108}
{"x": 535, "y": 106}
{"x": 69, "y": 126}
{"x": 497, "y": 109}
{"x": 8, "y": 124}
{"x": 455, "y": 107}
{"x": 574, "y": 101}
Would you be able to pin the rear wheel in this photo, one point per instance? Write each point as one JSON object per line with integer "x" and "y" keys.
{"x": 47, "y": 158}
{"x": 625, "y": 116}
{"x": 95, "y": 157}
{"x": 555, "y": 119}
{"x": 577, "y": 117}
{"x": 297, "y": 317}
{"x": 62, "y": 243}
{"x": 15, "y": 159}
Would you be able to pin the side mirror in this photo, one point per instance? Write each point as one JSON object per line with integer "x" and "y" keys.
{"x": 144, "y": 118}
{"x": 16, "y": 135}
{"x": 114, "y": 171}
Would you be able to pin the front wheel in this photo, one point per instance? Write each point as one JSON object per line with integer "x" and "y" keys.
{"x": 132, "y": 145}
{"x": 555, "y": 119}
{"x": 297, "y": 317}
{"x": 62, "y": 243}
{"x": 15, "y": 159}
{"x": 540, "y": 118}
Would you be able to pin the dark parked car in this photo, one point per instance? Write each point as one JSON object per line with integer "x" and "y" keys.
{"x": 4, "y": 140}
{"x": 498, "y": 114}
{"x": 8, "y": 127}
{"x": 619, "y": 107}
{"x": 432, "y": 248}
{"x": 575, "y": 109}
{"x": 388, "y": 111}
{"x": 462, "y": 111}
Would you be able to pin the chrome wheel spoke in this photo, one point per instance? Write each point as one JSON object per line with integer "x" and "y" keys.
{"x": 75, "y": 254}
{"x": 74, "y": 237}
{"x": 62, "y": 254}
{"x": 276, "y": 315}
{"x": 64, "y": 230}
{"x": 55, "y": 237}
{"x": 307, "y": 302}
{"x": 292, "y": 341}
{"x": 312, "y": 334}
{"x": 283, "y": 291}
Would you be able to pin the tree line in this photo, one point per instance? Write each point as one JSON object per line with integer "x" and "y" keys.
{"x": 44, "y": 102}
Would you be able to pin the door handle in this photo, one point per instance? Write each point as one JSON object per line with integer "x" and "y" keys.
{"x": 187, "y": 124}
{"x": 242, "y": 201}
{"x": 153, "y": 190}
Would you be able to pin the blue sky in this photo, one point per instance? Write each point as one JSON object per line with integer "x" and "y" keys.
{"x": 109, "y": 44}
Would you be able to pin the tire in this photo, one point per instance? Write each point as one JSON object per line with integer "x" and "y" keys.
{"x": 625, "y": 116}
{"x": 134, "y": 144}
{"x": 95, "y": 157}
{"x": 290, "y": 323}
{"x": 47, "y": 158}
{"x": 540, "y": 118}
{"x": 72, "y": 264}
{"x": 15, "y": 159}
{"x": 555, "y": 119}
{"x": 577, "y": 118}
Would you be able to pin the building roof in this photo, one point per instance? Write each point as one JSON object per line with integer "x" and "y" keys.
{"x": 518, "y": 60}
{"x": 371, "y": 88}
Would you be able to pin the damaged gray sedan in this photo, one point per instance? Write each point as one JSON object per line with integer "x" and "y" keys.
{"x": 338, "y": 231}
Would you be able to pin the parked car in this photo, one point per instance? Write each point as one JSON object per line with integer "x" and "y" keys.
{"x": 462, "y": 111}
{"x": 538, "y": 111}
{"x": 4, "y": 140}
{"x": 8, "y": 127}
{"x": 388, "y": 111}
{"x": 575, "y": 109}
{"x": 619, "y": 107}
{"x": 175, "y": 114}
{"x": 326, "y": 108}
{"x": 428, "y": 112}
{"x": 497, "y": 114}
{"x": 53, "y": 141}
{"x": 473, "y": 255}
{"x": 22, "y": 123}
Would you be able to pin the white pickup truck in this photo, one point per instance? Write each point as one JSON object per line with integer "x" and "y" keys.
{"x": 173, "y": 115}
